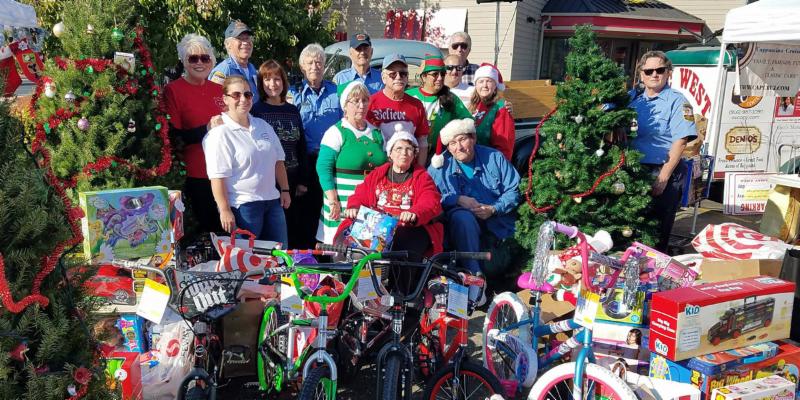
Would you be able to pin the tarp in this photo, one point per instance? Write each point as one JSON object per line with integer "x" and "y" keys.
{"x": 17, "y": 15}
{"x": 763, "y": 21}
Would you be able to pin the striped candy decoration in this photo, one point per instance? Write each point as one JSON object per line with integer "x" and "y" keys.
{"x": 240, "y": 257}
{"x": 729, "y": 241}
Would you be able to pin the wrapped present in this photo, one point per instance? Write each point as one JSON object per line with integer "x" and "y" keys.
{"x": 731, "y": 241}
{"x": 176, "y": 209}
{"x": 125, "y": 223}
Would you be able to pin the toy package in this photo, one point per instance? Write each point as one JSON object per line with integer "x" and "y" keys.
{"x": 124, "y": 370}
{"x": 372, "y": 230}
{"x": 613, "y": 342}
{"x": 612, "y": 308}
{"x": 716, "y": 363}
{"x": 125, "y": 223}
{"x": 176, "y": 209}
{"x": 131, "y": 328}
{"x": 665, "y": 271}
{"x": 785, "y": 363}
{"x": 770, "y": 388}
{"x": 113, "y": 284}
{"x": 692, "y": 321}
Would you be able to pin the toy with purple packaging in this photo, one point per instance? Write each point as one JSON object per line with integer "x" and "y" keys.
{"x": 131, "y": 328}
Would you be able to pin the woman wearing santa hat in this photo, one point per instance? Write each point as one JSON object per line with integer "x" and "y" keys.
{"x": 494, "y": 124}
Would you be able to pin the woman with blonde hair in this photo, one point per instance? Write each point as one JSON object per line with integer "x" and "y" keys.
{"x": 494, "y": 124}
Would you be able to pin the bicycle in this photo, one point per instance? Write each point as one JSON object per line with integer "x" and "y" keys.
{"x": 396, "y": 361}
{"x": 211, "y": 295}
{"x": 512, "y": 331}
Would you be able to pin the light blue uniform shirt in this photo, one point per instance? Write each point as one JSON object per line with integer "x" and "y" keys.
{"x": 319, "y": 111}
{"x": 229, "y": 67}
{"x": 663, "y": 119}
{"x": 372, "y": 80}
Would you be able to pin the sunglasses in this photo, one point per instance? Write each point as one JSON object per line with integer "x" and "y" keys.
{"x": 238, "y": 95}
{"x": 463, "y": 46}
{"x": 659, "y": 70}
{"x": 196, "y": 58}
{"x": 393, "y": 74}
{"x": 458, "y": 68}
{"x": 434, "y": 74}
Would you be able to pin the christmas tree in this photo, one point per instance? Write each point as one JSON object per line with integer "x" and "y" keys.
{"x": 582, "y": 171}
{"x": 46, "y": 351}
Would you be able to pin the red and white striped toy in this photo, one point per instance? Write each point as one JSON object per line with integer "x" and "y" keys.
{"x": 240, "y": 256}
{"x": 729, "y": 241}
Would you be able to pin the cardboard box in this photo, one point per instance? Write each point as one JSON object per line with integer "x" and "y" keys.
{"x": 693, "y": 321}
{"x": 770, "y": 388}
{"x": 718, "y": 271}
{"x": 647, "y": 388}
{"x": 125, "y": 223}
{"x": 784, "y": 363}
{"x": 717, "y": 363}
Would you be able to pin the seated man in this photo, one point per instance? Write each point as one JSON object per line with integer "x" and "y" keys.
{"x": 479, "y": 191}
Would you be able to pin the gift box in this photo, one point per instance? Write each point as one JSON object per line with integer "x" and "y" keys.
{"x": 770, "y": 388}
{"x": 785, "y": 363}
{"x": 125, "y": 223}
{"x": 124, "y": 371}
{"x": 132, "y": 332}
{"x": 693, "y": 321}
{"x": 176, "y": 209}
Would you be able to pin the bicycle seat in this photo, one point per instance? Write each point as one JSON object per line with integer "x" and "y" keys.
{"x": 525, "y": 282}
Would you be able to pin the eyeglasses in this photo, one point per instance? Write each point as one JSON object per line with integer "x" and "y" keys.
{"x": 238, "y": 95}
{"x": 659, "y": 70}
{"x": 197, "y": 58}
{"x": 359, "y": 102}
{"x": 434, "y": 74}
{"x": 393, "y": 74}
{"x": 457, "y": 68}
{"x": 455, "y": 46}
{"x": 408, "y": 150}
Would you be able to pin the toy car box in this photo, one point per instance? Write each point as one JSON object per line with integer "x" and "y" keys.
{"x": 716, "y": 363}
{"x": 770, "y": 388}
{"x": 692, "y": 321}
{"x": 125, "y": 223}
{"x": 784, "y": 363}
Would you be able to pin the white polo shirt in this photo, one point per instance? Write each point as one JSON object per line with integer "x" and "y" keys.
{"x": 245, "y": 157}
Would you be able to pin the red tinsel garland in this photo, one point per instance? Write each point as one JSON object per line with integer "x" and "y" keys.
{"x": 529, "y": 190}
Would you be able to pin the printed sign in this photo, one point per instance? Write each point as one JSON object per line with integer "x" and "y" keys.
{"x": 746, "y": 193}
{"x": 769, "y": 69}
{"x": 153, "y": 303}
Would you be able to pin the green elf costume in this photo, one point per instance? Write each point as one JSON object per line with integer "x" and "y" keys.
{"x": 346, "y": 155}
{"x": 441, "y": 107}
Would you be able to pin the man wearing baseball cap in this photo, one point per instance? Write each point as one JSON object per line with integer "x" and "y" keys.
{"x": 393, "y": 105}
{"x": 360, "y": 57}
{"x": 239, "y": 44}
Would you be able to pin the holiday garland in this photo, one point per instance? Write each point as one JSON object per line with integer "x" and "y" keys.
{"x": 591, "y": 190}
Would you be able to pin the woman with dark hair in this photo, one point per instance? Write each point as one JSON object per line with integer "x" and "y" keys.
{"x": 441, "y": 105}
{"x": 494, "y": 124}
{"x": 273, "y": 84}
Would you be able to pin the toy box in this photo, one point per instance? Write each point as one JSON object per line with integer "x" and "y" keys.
{"x": 692, "y": 321}
{"x": 125, "y": 223}
{"x": 784, "y": 363}
{"x": 132, "y": 332}
{"x": 612, "y": 342}
{"x": 124, "y": 370}
{"x": 665, "y": 272}
{"x": 113, "y": 284}
{"x": 613, "y": 309}
{"x": 176, "y": 209}
{"x": 770, "y": 388}
{"x": 372, "y": 229}
{"x": 648, "y": 388}
{"x": 716, "y": 363}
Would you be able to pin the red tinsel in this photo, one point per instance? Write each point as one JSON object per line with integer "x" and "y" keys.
{"x": 597, "y": 182}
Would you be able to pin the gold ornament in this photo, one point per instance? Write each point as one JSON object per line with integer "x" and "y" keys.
{"x": 618, "y": 188}
{"x": 577, "y": 199}
{"x": 627, "y": 231}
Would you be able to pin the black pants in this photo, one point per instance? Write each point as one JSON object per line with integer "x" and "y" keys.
{"x": 416, "y": 240}
{"x": 665, "y": 205}
{"x": 302, "y": 218}
{"x": 202, "y": 208}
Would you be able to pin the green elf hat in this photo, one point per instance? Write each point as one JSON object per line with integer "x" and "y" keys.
{"x": 432, "y": 63}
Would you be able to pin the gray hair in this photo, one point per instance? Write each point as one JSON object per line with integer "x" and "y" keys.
{"x": 313, "y": 50}
{"x": 654, "y": 54}
{"x": 192, "y": 41}
{"x": 460, "y": 35}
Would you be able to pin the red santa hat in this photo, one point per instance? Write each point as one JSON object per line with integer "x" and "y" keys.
{"x": 487, "y": 70}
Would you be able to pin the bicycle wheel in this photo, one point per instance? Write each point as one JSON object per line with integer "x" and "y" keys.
{"x": 269, "y": 378}
{"x": 505, "y": 310}
{"x": 318, "y": 385}
{"x": 472, "y": 382}
{"x": 599, "y": 383}
{"x": 393, "y": 379}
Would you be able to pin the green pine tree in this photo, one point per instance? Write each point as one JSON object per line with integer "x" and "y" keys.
{"x": 577, "y": 146}
{"x": 57, "y": 341}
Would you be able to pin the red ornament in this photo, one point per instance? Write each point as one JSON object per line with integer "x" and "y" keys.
{"x": 19, "y": 352}
{"x": 82, "y": 375}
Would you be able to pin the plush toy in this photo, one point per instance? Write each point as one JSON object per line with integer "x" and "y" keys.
{"x": 566, "y": 271}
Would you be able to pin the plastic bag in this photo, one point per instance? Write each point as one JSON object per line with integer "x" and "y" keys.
{"x": 174, "y": 357}
{"x": 731, "y": 241}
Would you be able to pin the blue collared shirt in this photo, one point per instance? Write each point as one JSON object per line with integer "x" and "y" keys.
{"x": 663, "y": 119}
{"x": 230, "y": 67}
{"x": 372, "y": 80}
{"x": 495, "y": 183}
{"x": 319, "y": 111}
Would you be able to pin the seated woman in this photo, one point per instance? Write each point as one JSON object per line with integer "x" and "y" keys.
{"x": 244, "y": 159}
{"x": 403, "y": 189}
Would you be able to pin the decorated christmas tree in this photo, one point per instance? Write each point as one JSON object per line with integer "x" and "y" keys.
{"x": 583, "y": 171}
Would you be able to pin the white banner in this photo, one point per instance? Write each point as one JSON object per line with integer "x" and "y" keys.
{"x": 770, "y": 69}
{"x": 746, "y": 193}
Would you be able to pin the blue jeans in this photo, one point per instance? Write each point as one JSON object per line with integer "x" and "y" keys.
{"x": 464, "y": 234}
{"x": 264, "y": 218}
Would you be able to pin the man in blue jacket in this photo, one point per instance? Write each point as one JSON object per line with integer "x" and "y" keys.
{"x": 239, "y": 45}
{"x": 479, "y": 190}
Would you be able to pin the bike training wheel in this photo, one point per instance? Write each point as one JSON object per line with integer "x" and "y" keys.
{"x": 318, "y": 385}
{"x": 505, "y": 310}
{"x": 269, "y": 378}
{"x": 599, "y": 383}
{"x": 474, "y": 383}
{"x": 197, "y": 393}
{"x": 393, "y": 379}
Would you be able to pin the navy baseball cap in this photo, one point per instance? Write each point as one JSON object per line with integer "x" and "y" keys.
{"x": 393, "y": 58}
{"x": 236, "y": 28}
{"x": 359, "y": 39}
